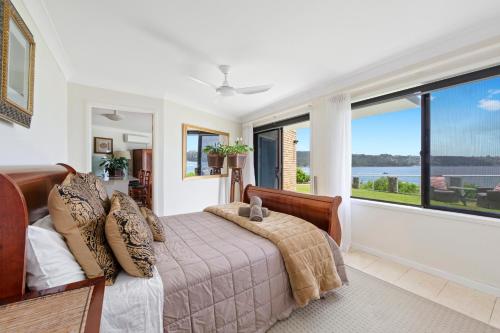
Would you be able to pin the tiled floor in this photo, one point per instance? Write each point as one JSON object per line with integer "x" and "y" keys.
{"x": 473, "y": 303}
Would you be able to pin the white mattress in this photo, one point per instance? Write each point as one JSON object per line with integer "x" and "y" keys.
{"x": 133, "y": 304}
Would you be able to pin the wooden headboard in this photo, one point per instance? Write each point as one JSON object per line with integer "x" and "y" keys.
{"x": 24, "y": 193}
{"x": 319, "y": 210}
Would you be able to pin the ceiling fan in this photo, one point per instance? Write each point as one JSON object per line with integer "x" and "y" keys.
{"x": 113, "y": 116}
{"x": 226, "y": 90}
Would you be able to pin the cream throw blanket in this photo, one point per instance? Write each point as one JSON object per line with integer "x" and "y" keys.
{"x": 305, "y": 251}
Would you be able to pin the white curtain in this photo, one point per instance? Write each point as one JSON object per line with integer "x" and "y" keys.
{"x": 331, "y": 154}
{"x": 248, "y": 171}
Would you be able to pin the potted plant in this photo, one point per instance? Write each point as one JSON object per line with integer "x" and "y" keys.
{"x": 215, "y": 156}
{"x": 114, "y": 166}
{"x": 237, "y": 154}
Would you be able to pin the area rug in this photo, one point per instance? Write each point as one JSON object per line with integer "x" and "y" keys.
{"x": 370, "y": 305}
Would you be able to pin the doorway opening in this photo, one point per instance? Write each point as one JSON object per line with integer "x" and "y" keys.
{"x": 122, "y": 152}
{"x": 282, "y": 155}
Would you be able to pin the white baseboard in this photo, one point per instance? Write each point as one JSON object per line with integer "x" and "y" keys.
{"x": 430, "y": 270}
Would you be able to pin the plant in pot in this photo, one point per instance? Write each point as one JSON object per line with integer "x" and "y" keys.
{"x": 114, "y": 166}
{"x": 215, "y": 156}
{"x": 237, "y": 154}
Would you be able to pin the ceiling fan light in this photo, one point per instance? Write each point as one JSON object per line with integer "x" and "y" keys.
{"x": 225, "y": 91}
{"x": 113, "y": 116}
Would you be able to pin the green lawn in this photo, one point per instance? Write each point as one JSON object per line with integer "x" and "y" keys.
{"x": 415, "y": 200}
{"x": 303, "y": 188}
{"x": 386, "y": 196}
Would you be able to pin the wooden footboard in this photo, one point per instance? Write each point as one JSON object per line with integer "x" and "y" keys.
{"x": 321, "y": 211}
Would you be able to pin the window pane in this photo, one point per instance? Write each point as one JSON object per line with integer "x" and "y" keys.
{"x": 268, "y": 150}
{"x": 465, "y": 146}
{"x": 386, "y": 146}
{"x": 196, "y": 158}
{"x": 296, "y": 152}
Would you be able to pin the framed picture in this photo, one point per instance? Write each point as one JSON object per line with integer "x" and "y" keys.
{"x": 18, "y": 66}
{"x": 103, "y": 145}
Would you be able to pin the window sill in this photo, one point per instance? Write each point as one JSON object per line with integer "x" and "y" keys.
{"x": 450, "y": 216}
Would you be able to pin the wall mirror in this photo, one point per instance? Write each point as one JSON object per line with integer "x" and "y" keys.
{"x": 195, "y": 162}
{"x": 17, "y": 55}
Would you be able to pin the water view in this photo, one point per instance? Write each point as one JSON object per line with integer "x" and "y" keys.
{"x": 464, "y": 148}
{"x": 482, "y": 176}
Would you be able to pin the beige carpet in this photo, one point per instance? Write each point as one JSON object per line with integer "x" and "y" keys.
{"x": 375, "y": 306}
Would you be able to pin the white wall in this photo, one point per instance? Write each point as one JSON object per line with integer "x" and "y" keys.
{"x": 117, "y": 134}
{"x": 81, "y": 100}
{"x": 119, "y": 143}
{"x": 171, "y": 194}
{"x": 45, "y": 141}
{"x": 192, "y": 195}
{"x": 459, "y": 247}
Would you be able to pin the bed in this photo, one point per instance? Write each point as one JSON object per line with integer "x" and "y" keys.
{"x": 211, "y": 275}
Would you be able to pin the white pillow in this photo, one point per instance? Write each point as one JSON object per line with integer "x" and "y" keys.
{"x": 49, "y": 261}
{"x": 46, "y": 223}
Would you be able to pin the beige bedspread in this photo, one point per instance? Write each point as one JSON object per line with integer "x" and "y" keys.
{"x": 305, "y": 251}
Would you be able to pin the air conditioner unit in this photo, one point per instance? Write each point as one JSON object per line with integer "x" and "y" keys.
{"x": 134, "y": 138}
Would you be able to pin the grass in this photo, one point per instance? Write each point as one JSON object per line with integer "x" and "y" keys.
{"x": 303, "y": 188}
{"x": 386, "y": 196}
{"x": 409, "y": 199}
{"x": 415, "y": 200}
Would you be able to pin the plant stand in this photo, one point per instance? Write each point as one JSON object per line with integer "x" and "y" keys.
{"x": 236, "y": 177}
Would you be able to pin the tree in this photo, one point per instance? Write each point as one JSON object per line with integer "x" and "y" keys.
{"x": 302, "y": 177}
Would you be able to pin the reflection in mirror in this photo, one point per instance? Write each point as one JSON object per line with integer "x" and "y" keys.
{"x": 196, "y": 162}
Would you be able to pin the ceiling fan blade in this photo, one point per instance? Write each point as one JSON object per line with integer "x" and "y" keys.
{"x": 254, "y": 89}
{"x": 213, "y": 86}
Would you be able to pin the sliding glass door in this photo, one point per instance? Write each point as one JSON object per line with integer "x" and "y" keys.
{"x": 268, "y": 162}
{"x": 282, "y": 154}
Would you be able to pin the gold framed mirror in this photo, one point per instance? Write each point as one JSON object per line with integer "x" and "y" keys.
{"x": 18, "y": 62}
{"x": 196, "y": 163}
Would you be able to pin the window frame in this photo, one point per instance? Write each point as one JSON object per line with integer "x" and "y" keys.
{"x": 425, "y": 109}
{"x": 277, "y": 125}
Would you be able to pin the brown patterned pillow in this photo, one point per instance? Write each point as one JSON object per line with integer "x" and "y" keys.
{"x": 79, "y": 216}
{"x": 94, "y": 184}
{"x": 122, "y": 201}
{"x": 130, "y": 239}
{"x": 125, "y": 202}
{"x": 154, "y": 223}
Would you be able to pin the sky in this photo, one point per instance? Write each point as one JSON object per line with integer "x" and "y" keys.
{"x": 303, "y": 136}
{"x": 465, "y": 121}
{"x": 192, "y": 142}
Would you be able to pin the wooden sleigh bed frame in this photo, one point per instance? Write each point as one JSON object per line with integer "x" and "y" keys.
{"x": 23, "y": 200}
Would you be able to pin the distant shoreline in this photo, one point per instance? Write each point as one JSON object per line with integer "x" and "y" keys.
{"x": 388, "y": 160}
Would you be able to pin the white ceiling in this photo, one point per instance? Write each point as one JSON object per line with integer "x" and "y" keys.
{"x": 152, "y": 47}
{"x": 132, "y": 121}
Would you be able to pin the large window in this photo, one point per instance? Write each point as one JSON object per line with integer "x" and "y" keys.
{"x": 442, "y": 152}
{"x": 386, "y": 151}
{"x": 465, "y": 146}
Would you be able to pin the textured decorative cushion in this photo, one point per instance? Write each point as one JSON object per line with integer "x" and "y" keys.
{"x": 129, "y": 237}
{"x": 439, "y": 183}
{"x": 79, "y": 216}
{"x": 125, "y": 202}
{"x": 94, "y": 184}
{"x": 154, "y": 224}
